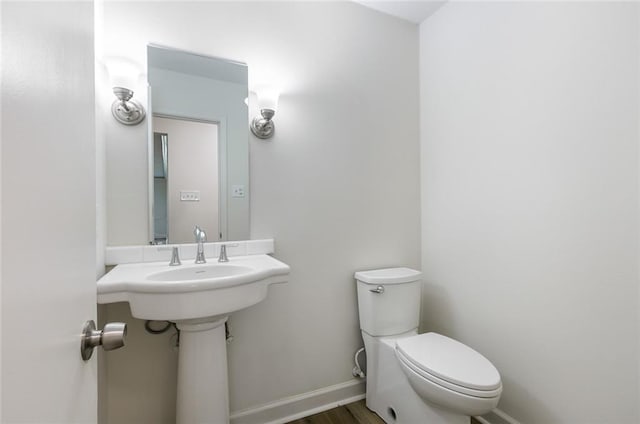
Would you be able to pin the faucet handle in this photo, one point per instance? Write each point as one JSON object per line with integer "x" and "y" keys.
{"x": 175, "y": 257}
{"x": 223, "y": 254}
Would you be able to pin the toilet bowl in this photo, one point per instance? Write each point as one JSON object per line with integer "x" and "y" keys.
{"x": 415, "y": 377}
{"x": 449, "y": 374}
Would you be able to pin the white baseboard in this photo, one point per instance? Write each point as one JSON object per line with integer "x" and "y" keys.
{"x": 497, "y": 417}
{"x": 299, "y": 406}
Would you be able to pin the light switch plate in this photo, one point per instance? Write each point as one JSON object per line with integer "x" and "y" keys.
{"x": 189, "y": 196}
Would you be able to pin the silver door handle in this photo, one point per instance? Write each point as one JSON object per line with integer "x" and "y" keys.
{"x": 110, "y": 337}
{"x": 378, "y": 290}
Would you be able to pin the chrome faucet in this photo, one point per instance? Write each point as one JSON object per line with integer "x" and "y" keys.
{"x": 201, "y": 237}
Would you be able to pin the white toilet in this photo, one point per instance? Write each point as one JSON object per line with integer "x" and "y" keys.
{"x": 417, "y": 378}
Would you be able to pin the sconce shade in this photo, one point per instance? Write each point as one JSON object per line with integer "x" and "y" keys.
{"x": 268, "y": 99}
{"x": 123, "y": 72}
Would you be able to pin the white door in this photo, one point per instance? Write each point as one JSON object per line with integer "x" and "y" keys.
{"x": 48, "y": 212}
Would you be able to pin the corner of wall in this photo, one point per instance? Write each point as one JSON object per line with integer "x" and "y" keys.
{"x": 100, "y": 139}
{"x": 1, "y": 91}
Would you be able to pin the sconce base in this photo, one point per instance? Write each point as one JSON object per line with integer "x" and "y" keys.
{"x": 263, "y": 127}
{"x": 128, "y": 112}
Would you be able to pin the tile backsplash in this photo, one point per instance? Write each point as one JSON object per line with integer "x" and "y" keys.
{"x": 115, "y": 255}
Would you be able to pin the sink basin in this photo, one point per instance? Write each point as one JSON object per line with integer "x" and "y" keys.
{"x": 157, "y": 291}
{"x": 200, "y": 272}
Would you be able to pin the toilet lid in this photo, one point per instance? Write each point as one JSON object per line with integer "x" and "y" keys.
{"x": 450, "y": 360}
{"x": 388, "y": 276}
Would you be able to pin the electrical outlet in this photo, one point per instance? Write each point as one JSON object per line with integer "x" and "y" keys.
{"x": 237, "y": 191}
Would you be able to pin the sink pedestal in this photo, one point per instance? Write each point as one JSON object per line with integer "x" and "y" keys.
{"x": 202, "y": 373}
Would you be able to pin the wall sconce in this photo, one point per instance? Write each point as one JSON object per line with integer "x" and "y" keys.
{"x": 268, "y": 104}
{"x": 126, "y": 110}
{"x": 122, "y": 75}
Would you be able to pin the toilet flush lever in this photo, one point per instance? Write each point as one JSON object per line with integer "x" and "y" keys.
{"x": 378, "y": 290}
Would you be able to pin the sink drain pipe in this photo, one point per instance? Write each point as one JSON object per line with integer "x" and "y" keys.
{"x": 357, "y": 370}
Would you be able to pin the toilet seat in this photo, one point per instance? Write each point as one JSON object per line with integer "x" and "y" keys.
{"x": 450, "y": 364}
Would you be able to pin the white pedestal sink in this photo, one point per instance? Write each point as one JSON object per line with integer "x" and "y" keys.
{"x": 199, "y": 298}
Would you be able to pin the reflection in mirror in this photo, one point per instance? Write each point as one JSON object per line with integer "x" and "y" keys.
{"x": 192, "y": 174}
{"x": 198, "y": 158}
{"x": 160, "y": 170}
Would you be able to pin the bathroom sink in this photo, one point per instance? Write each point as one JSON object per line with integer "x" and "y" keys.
{"x": 198, "y": 298}
{"x": 157, "y": 291}
{"x": 200, "y": 272}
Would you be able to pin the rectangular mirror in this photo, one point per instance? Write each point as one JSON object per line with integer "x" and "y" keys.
{"x": 199, "y": 147}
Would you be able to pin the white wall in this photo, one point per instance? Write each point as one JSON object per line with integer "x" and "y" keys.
{"x": 337, "y": 186}
{"x": 103, "y": 98}
{"x": 0, "y": 234}
{"x": 529, "y": 138}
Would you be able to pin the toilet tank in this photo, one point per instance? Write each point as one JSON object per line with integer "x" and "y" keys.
{"x": 389, "y": 300}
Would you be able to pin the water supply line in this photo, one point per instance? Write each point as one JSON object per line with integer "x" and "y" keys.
{"x": 357, "y": 371}
{"x": 150, "y": 324}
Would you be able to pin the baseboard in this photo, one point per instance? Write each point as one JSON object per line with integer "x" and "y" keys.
{"x": 497, "y": 417}
{"x": 299, "y": 406}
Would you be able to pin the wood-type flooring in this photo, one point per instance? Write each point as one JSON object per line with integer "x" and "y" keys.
{"x": 353, "y": 413}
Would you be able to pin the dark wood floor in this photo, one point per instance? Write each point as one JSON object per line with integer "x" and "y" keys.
{"x": 353, "y": 413}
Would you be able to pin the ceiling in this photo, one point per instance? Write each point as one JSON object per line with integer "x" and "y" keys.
{"x": 414, "y": 11}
